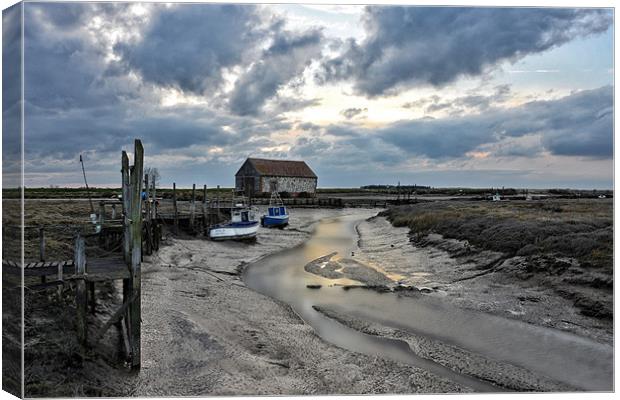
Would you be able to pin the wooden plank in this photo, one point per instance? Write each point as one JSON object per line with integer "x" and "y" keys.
{"x": 116, "y": 317}
{"x": 80, "y": 297}
{"x": 136, "y": 253}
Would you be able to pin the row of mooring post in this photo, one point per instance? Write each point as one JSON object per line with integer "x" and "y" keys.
{"x": 194, "y": 218}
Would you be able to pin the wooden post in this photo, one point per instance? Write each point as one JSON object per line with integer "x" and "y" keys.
{"x": 154, "y": 208}
{"x": 136, "y": 253}
{"x": 126, "y": 296}
{"x": 42, "y": 249}
{"x": 192, "y": 208}
{"x": 101, "y": 214}
{"x": 126, "y": 209}
{"x": 126, "y": 226}
{"x": 147, "y": 214}
{"x": 204, "y": 209}
{"x": 154, "y": 223}
{"x": 147, "y": 206}
{"x": 60, "y": 279}
{"x": 92, "y": 301}
{"x": 176, "y": 210}
{"x": 41, "y": 244}
{"x": 80, "y": 297}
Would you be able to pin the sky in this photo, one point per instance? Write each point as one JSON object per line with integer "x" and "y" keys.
{"x": 439, "y": 96}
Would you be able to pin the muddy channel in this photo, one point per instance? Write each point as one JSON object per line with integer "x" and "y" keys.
{"x": 325, "y": 284}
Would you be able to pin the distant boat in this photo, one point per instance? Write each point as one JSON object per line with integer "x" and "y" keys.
{"x": 277, "y": 214}
{"x": 243, "y": 224}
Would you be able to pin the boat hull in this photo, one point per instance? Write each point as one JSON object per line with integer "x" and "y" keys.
{"x": 274, "y": 221}
{"x": 245, "y": 231}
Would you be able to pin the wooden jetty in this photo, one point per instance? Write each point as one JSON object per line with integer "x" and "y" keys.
{"x": 130, "y": 231}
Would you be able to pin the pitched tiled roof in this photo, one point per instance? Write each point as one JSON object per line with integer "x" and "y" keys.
{"x": 282, "y": 168}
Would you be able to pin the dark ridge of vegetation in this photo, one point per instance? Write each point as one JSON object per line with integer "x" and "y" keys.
{"x": 579, "y": 229}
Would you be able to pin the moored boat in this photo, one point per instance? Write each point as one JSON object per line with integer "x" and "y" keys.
{"x": 277, "y": 214}
{"x": 243, "y": 225}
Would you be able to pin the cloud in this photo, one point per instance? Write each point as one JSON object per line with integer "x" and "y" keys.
{"x": 202, "y": 48}
{"x": 409, "y": 46}
{"x": 580, "y": 124}
{"x": 285, "y": 59}
{"x": 189, "y": 46}
{"x": 472, "y": 102}
{"x": 65, "y": 62}
{"x": 11, "y": 96}
{"x": 352, "y": 112}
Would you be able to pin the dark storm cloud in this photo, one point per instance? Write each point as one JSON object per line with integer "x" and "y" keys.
{"x": 63, "y": 69}
{"x": 436, "y": 45}
{"x": 577, "y": 125}
{"x": 285, "y": 59}
{"x": 77, "y": 101}
{"x": 188, "y": 46}
{"x": 107, "y": 130}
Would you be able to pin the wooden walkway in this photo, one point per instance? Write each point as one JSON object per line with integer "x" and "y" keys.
{"x": 97, "y": 270}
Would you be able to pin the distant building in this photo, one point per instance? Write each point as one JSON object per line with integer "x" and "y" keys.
{"x": 258, "y": 175}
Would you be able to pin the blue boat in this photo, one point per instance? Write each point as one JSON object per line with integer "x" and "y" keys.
{"x": 277, "y": 215}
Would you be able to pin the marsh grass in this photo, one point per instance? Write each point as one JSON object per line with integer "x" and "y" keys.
{"x": 582, "y": 229}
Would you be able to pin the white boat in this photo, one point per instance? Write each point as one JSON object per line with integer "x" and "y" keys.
{"x": 243, "y": 225}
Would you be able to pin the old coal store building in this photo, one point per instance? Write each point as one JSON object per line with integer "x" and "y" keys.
{"x": 258, "y": 176}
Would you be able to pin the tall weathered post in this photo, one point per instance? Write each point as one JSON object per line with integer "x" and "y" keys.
{"x": 126, "y": 208}
{"x": 80, "y": 297}
{"x": 126, "y": 215}
{"x": 176, "y": 210}
{"x": 147, "y": 213}
{"x": 136, "y": 253}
